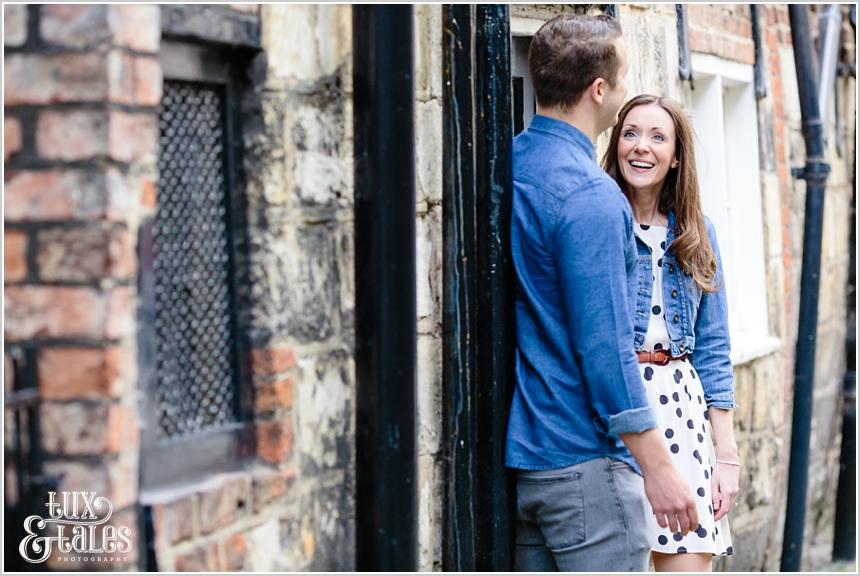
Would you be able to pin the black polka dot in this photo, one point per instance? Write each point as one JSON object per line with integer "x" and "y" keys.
{"x": 656, "y": 310}
{"x": 707, "y": 476}
{"x": 682, "y": 550}
{"x": 662, "y": 539}
{"x": 658, "y": 346}
{"x": 677, "y": 375}
{"x": 729, "y": 551}
{"x": 674, "y": 448}
{"x": 704, "y": 430}
{"x": 690, "y": 424}
{"x": 669, "y": 432}
{"x": 660, "y": 262}
{"x": 701, "y": 532}
{"x": 644, "y": 226}
{"x": 706, "y": 416}
{"x": 663, "y": 244}
{"x": 677, "y": 536}
{"x": 713, "y": 536}
{"x": 692, "y": 374}
{"x": 699, "y": 398}
{"x": 649, "y": 372}
{"x": 675, "y": 396}
{"x": 701, "y": 492}
{"x": 700, "y": 438}
{"x": 663, "y": 399}
{"x": 678, "y": 412}
{"x": 710, "y": 509}
{"x": 716, "y": 530}
{"x": 697, "y": 456}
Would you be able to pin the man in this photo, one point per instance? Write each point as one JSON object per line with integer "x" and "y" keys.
{"x": 579, "y": 408}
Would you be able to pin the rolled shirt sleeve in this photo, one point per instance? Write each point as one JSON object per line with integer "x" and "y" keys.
{"x": 595, "y": 244}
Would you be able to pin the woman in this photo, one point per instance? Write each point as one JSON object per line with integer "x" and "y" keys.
{"x": 681, "y": 326}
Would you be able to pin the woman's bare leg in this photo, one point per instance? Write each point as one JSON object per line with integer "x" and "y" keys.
{"x": 693, "y": 562}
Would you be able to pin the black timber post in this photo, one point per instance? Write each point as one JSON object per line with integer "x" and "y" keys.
{"x": 478, "y": 337}
{"x": 385, "y": 331}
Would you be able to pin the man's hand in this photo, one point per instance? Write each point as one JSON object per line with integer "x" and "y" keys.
{"x": 671, "y": 499}
{"x": 669, "y": 494}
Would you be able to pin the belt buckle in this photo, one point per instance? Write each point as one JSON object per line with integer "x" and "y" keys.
{"x": 666, "y": 357}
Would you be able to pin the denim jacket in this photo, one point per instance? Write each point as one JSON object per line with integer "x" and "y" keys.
{"x": 577, "y": 381}
{"x": 697, "y": 321}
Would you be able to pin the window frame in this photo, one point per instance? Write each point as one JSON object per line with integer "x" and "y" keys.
{"x": 731, "y": 191}
{"x": 172, "y": 461}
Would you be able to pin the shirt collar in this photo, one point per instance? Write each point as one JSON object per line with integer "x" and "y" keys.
{"x": 564, "y": 130}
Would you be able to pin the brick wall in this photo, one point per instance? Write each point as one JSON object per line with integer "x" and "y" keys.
{"x": 82, "y": 84}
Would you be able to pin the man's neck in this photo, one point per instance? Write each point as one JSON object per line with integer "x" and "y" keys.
{"x": 577, "y": 116}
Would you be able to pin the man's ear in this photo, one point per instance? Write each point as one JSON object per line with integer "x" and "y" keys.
{"x": 597, "y": 90}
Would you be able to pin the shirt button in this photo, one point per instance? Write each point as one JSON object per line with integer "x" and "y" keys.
{"x": 674, "y": 293}
{"x": 675, "y": 319}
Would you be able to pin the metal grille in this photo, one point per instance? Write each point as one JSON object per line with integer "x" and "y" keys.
{"x": 195, "y": 388}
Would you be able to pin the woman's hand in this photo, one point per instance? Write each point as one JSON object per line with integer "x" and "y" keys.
{"x": 724, "y": 488}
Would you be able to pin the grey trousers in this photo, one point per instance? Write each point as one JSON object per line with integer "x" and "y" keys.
{"x": 589, "y": 517}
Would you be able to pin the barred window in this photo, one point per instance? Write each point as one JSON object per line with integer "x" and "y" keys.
{"x": 189, "y": 344}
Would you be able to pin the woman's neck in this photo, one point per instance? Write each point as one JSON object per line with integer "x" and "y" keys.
{"x": 646, "y": 209}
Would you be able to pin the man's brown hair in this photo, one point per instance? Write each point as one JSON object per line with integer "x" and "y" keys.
{"x": 570, "y": 52}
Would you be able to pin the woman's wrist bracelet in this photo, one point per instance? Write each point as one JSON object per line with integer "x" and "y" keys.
{"x": 729, "y": 462}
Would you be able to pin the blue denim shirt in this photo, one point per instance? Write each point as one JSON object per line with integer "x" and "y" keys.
{"x": 577, "y": 380}
{"x": 697, "y": 321}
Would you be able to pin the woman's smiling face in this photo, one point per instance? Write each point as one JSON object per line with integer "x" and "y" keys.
{"x": 646, "y": 148}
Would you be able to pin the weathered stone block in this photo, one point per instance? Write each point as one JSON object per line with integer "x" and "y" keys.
{"x": 137, "y": 26}
{"x": 236, "y": 552}
{"x": 429, "y": 387}
{"x": 269, "y": 486}
{"x": 72, "y": 135}
{"x": 428, "y": 149}
{"x": 202, "y": 558}
{"x": 75, "y": 428}
{"x": 133, "y": 137}
{"x": 428, "y": 51}
{"x": 324, "y": 412}
{"x": 272, "y": 362}
{"x": 173, "y": 521}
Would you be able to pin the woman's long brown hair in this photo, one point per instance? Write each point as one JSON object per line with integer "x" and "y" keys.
{"x": 680, "y": 193}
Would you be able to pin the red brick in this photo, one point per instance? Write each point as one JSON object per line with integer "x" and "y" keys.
{"x": 235, "y": 552}
{"x": 275, "y": 441}
{"x": 66, "y": 312}
{"x": 133, "y": 136}
{"x": 74, "y": 25}
{"x": 273, "y": 394}
{"x": 72, "y": 135}
{"x": 65, "y": 195}
{"x": 148, "y": 194}
{"x": 122, "y": 428}
{"x": 174, "y": 520}
{"x": 148, "y": 81}
{"x": 272, "y": 361}
{"x": 14, "y": 255}
{"x": 224, "y": 505}
{"x": 203, "y": 558}
{"x": 49, "y": 78}
{"x": 74, "y": 428}
{"x": 85, "y": 254}
{"x": 14, "y": 24}
{"x": 11, "y": 136}
{"x": 137, "y": 27}
{"x": 248, "y": 8}
{"x": 79, "y": 373}
{"x": 271, "y": 485}
{"x": 123, "y": 478}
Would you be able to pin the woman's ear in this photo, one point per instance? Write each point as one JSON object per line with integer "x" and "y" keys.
{"x": 674, "y": 163}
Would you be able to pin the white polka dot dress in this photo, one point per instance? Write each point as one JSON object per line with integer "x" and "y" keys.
{"x": 676, "y": 394}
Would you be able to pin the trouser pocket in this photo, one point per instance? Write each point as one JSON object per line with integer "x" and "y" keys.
{"x": 554, "y": 501}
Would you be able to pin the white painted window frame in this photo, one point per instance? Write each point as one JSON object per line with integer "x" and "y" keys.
{"x": 723, "y": 110}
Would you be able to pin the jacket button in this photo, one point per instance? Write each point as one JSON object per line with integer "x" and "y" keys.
{"x": 671, "y": 268}
{"x": 682, "y": 348}
{"x": 675, "y": 319}
{"x": 674, "y": 293}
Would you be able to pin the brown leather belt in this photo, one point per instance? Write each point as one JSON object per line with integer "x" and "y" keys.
{"x": 658, "y": 357}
